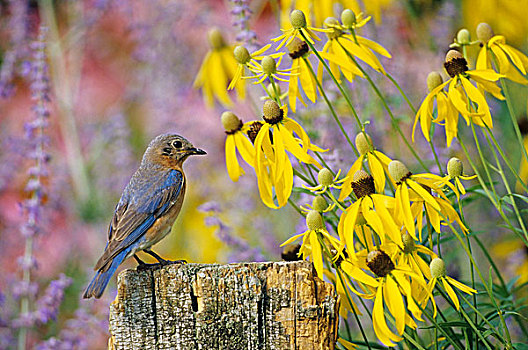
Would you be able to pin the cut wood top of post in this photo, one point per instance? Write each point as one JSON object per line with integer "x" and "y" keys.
{"x": 265, "y": 305}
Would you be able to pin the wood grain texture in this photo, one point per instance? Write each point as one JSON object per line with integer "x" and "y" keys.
{"x": 270, "y": 305}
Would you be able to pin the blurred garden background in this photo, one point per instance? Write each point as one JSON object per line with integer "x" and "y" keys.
{"x": 85, "y": 85}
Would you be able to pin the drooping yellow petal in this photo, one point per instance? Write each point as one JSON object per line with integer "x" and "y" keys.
{"x": 376, "y": 169}
{"x": 307, "y": 80}
{"x": 245, "y": 148}
{"x": 317, "y": 256}
{"x": 347, "y": 184}
{"x": 394, "y": 301}
{"x": 374, "y": 46}
{"x": 451, "y": 293}
{"x": 293, "y": 88}
{"x": 460, "y": 286}
{"x": 477, "y": 97}
{"x": 233, "y": 168}
{"x": 383, "y": 332}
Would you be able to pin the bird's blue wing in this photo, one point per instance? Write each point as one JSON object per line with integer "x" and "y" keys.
{"x": 140, "y": 206}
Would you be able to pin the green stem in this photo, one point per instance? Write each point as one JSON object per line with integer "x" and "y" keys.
{"x": 511, "y": 113}
{"x": 507, "y": 186}
{"x": 506, "y": 160}
{"x": 329, "y": 104}
{"x": 483, "y": 280}
{"x": 345, "y": 95}
{"x": 488, "y": 194}
{"x": 395, "y": 123}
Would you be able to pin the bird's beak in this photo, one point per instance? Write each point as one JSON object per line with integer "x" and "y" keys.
{"x": 194, "y": 150}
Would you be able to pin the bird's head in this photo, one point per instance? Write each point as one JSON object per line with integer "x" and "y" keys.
{"x": 170, "y": 150}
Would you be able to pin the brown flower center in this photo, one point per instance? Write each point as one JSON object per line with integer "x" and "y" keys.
{"x": 380, "y": 263}
{"x": 298, "y": 48}
{"x": 253, "y": 130}
{"x": 363, "y": 184}
{"x": 455, "y": 66}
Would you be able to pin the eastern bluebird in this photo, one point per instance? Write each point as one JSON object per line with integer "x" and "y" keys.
{"x": 147, "y": 209}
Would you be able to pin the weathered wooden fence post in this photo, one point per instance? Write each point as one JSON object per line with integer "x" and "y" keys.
{"x": 270, "y": 305}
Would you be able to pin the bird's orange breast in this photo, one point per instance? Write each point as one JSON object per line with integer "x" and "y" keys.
{"x": 163, "y": 225}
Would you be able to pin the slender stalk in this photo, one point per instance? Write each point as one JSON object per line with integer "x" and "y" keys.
{"x": 487, "y": 191}
{"x": 511, "y": 113}
{"x": 506, "y": 160}
{"x": 508, "y": 190}
{"x": 395, "y": 123}
{"x": 332, "y": 110}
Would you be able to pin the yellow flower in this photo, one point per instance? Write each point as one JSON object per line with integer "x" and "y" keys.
{"x": 236, "y": 140}
{"x": 388, "y": 289}
{"x": 508, "y": 60}
{"x": 303, "y": 68}
{"x": 462, "y": 95}
{"x": 438, "y": 271}
{"x": 409, "y": 188}
{"x": 299, "y": 29}
{"x": 377, "y": 161}
{"x": 272, "y": 165}
{"x": 311, "y": 247}
{"x": 342, "y": 45}
{"x": 268, "y": 69}
{"x": 408, "y": 255}
{"x": 455, "y": 171}
{"x": 326, "y": 181}
{"x": 447, "y": 113}
{"x": 245, "y": 59}
{"x": 217, "y": 69}
{"x": 374, "y": 208}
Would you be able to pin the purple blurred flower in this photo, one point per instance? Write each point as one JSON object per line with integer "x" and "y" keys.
{"x": 18, "y": 28}
{"x": 77, "y": 333}
{"x": 241, "y": 12}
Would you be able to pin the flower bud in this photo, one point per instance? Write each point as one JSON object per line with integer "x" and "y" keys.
{"x": 463, "y": 37}
{"x": 437, "y": 267}
{"x": 314, "y": 220}
{"x": 319, "y": 203}
{"x": 269, "y": 66}
{"x": 216, "y": 39}
{"x": 231, "y": 122}
{"x": 348, "y": 18}
{"x": 398, "y": 171}
{"x": 408, "y": 243}
{"x": 454, "y": 167}
{"x": 363, "y": 142}
{"x": 298, "y": 19}
{"x": 434, "y": 79}
{"x": 484, "y": 32}
{"x": 241, "y": 55}
{"x": 325, "y": 177}
{"x": 333, "y": 23}
{"x": 271, "y": 90}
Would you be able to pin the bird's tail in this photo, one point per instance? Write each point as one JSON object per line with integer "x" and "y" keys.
{"x": 102, "y": 277}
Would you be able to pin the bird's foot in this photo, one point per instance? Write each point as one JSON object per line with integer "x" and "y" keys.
{"x": 171, "y": 262}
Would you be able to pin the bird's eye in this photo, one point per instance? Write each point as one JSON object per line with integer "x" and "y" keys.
{"x": 177, "y": 144}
